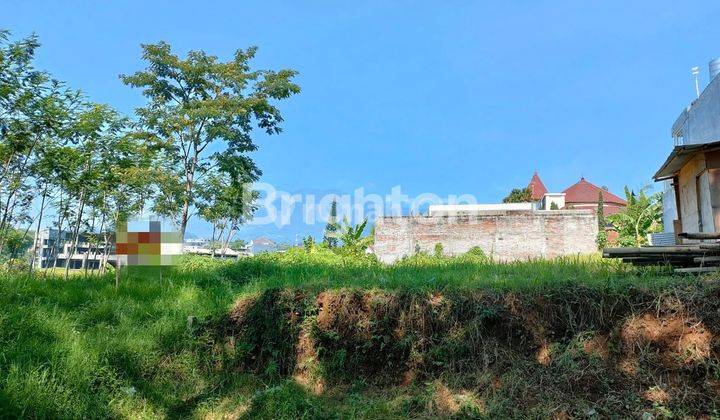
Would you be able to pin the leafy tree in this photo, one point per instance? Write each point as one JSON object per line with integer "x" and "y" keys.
{"x": 352, "y": 237}
{"x": 332, "y": 228}
{"x": 601, "y": 239}
{"x": 226, "y": 203}
{"x": 519, "y": 195}
{"x": 17, "y": 242}
{"x": 554, "y": 206}
{"x": 309, "y": 243}
{"x": 642, "y": 215}
{"x": 199, "y": 101}
{"x": 95, "y": 132}
{"x": 33, "y": 113}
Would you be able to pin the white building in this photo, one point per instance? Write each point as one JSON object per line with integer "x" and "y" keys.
{"x": 691, "y": 173}
{"x": 53, "y": 249}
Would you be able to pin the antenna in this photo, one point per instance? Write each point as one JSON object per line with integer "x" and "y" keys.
{"x": 695, "y": 71}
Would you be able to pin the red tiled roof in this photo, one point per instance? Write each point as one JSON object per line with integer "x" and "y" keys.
{"x": 585, "y": 192}
{"x": 537, "y": 188}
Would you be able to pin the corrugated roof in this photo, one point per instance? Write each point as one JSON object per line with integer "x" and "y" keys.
{"x": 537, "y": 188}
{"x": 585, "y": 192}
{"x": 679, "y": 156}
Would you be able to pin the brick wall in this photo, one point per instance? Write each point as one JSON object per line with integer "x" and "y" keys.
{"x": 507, "y": 236}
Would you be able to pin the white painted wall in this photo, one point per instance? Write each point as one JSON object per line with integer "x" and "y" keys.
{"x": 456, "y": 209}
{"x": 557, "y": 198}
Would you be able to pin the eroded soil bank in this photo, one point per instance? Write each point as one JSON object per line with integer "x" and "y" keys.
{"x": 568, "y": 352}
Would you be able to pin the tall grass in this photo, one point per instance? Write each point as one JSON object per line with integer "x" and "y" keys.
{"x": 82, "y": 348}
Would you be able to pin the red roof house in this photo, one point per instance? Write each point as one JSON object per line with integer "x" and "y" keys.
{"x": 537, "y": 188}
{"x": 584, "y": 195}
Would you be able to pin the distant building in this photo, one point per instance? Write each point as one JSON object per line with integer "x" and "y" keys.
{"x": 53, "y": 250}
{"x": 263, "y": 244}
{"x": 585, "y": 195}
{"x": 691, "y": 173}
{"x": 199, "y": 242}
{"x": 203, "y": 246}
{"x": 225, "y": 253}
{"x": 581, "y": 195}
{"x": 537, "y": 188}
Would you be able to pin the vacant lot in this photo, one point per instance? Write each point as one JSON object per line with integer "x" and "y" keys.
{"x": 319, "y": 335}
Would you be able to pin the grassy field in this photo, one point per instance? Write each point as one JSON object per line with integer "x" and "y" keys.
{"x": 318, "y": 335}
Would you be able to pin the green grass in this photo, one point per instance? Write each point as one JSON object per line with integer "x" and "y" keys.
{"x": 82, "y": 348}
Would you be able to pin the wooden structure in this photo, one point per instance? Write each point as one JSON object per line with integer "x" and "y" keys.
{"x": 694, "y": 171}
{"x": 690, "y": 258}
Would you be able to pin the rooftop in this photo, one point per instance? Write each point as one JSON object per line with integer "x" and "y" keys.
{"x": 586, "y": 192}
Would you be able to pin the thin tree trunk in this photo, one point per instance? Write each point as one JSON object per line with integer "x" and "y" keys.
{"x": 37, "y": 230}
{"x": 102, "y": 226}
{"x": 87, "y": 253}
{"x": 227, "y": 240}
{"x": 61, "y": 220}
{"x": 106, "y": 252}
{"x": 76, "y": 233}
{"x": 212, "y": 241}
{"x": 7, "y": 209}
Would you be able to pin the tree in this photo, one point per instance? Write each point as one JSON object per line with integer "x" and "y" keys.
{"x": 519, "y": 195}
{"x": 332, "y": 228}
{"x": 226, "y": 202}
{"x": 642, "y": 215}
{"x": 199, "y": 101}
{"x": 95, "y": 132}
{"x": 601, "y": 239}
{"x": 554, "y": 206}
{"x": 33, "y": 112}
{"x": 352, "y": 237}
{"x": 17, "y": 242}
{"x": 309, "y": 243}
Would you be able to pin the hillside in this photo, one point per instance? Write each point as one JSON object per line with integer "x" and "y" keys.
{"x": 318, "y": 335}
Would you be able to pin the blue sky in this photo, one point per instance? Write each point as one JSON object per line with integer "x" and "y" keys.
{"x": 448, "y": 97}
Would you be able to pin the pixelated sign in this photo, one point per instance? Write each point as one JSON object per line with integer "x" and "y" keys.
{"x": 151, "y": 247}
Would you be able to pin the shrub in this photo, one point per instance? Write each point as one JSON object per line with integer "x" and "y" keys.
{"x": 476, "y": 251}
{"x": 14, "y": 265}
{"x": 438, "y": 250}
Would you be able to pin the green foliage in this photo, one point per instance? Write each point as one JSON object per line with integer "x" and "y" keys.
{"x": 601, "y": 239}
{"x": 519, "y": 195}
{"x": 332, "y": 228}
{"x": 353, "y": 241}
{"x": 554, "y": 206}
{"x": 83, "y": 349}
{"x": 643, "y": 215}
{"x": 477, "y": 252}
{"x": 287, "y": 400}
{"x": 16, "y": 241}
{"x": 199, "y": 101}
{"x": 14, "y": 265}
{"x": 309, "y": 243}
{"x": 438, "y": 250}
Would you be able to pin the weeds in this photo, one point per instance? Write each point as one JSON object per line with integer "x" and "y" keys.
{"x": 322, "y": 335}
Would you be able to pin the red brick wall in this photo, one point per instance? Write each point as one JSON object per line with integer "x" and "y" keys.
{"x": 505, "y": 237}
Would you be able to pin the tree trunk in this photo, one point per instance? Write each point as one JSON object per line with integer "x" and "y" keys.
{"x": 227, "y": 240}
{"x": 212, "y": 241}
{"x": 37, "y": 230}
{"x": 102, "y": 226}
{"x": 87, "y": 253}
{"x": 76, "y": 233}
{"x": 61, "y": 219}
{"x": 220, "y": 236}
{"x": 7, "y": 210}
